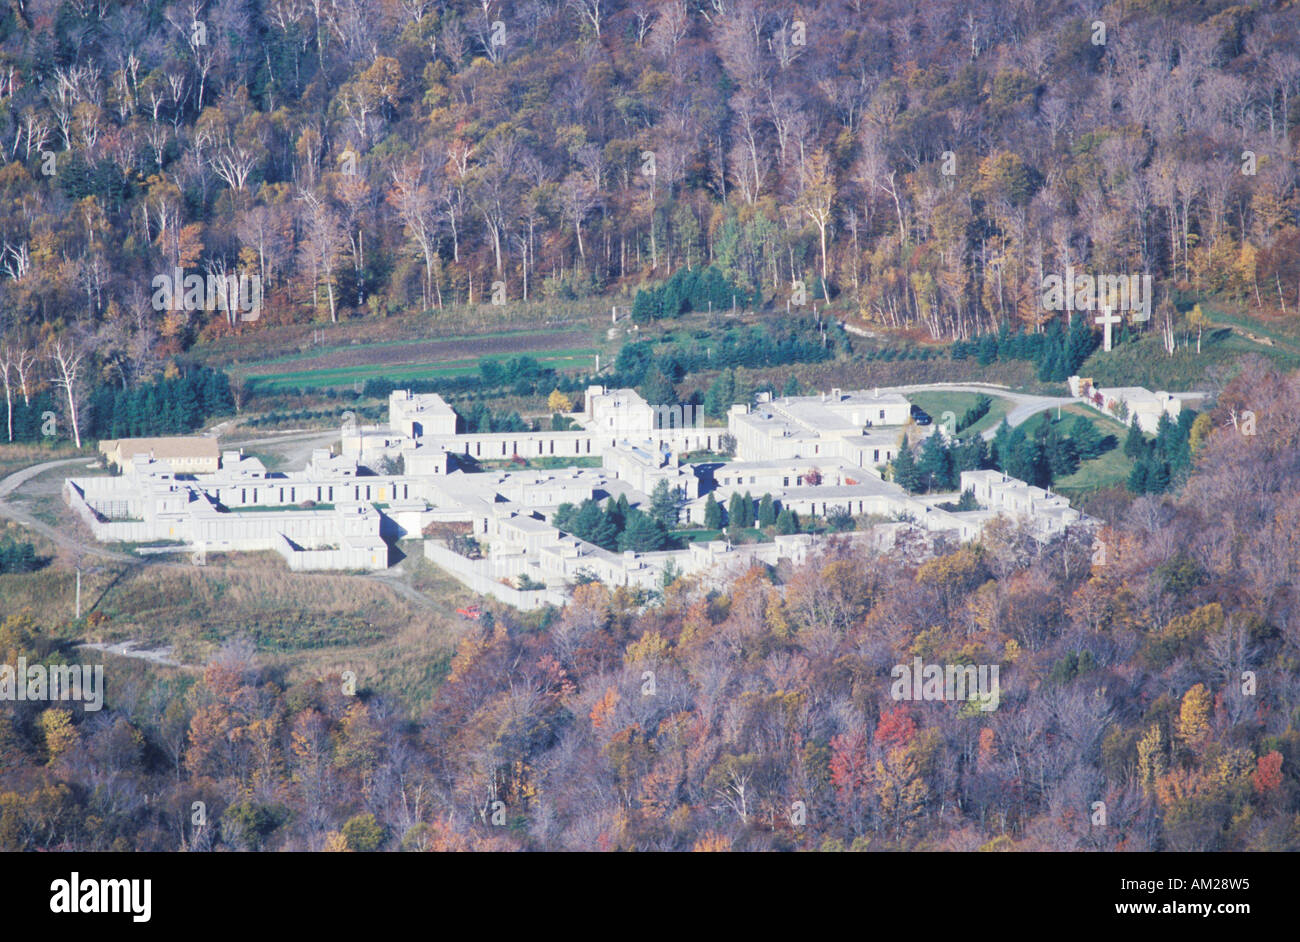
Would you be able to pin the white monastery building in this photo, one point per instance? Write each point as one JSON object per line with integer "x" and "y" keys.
{"x": 813, "y": 454}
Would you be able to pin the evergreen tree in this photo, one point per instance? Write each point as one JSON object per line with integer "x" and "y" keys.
{"x": 665, "y": 504}
{"x": 1180, "y": 455}
{"x": 1166, "y": 434}
{"x": 1027, "y": 461}
{"x": 1062, "y": 458}
{"x": 1049, "y": 366}
{"x": 614, "y": 513}
{"x": 17, "y": 557}
{"x": 215, "y": 393}
{"x": 1079, "y": 345}
{"x": 592, "y": 524}
{"x": 736, "y": 511}
{"x": 189, "y": 410}
{"x": 1137, "y": 479}
{"x": 645, "y": 306}
{"x": 712, "y": 514}
{"x": 1087, "y": 438}
{"x": 906, "y": 474}
{"x": 642, "y": 533}
{"x": 721, "y": 394}
{"x": 1135, "y": 444}
{"x": 766, "y": 511}
{"x": 658, "y": 388}
{"x": 787, "y": 522}
{"x": 120, "y": 426}
{"x": 971, "y": 455}
{"x": 935, "y": 467}
{"x": 150, "y": 411}
{"x": 562, "y": 519}
{"x": 1051, "y": 359}
{"x": 1157, "y": 476}
{"x": 1001, "y": 445}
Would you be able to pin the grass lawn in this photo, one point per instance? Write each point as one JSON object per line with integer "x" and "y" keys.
{"x": 263, "y": 508}
{"x": 1144, "y": 362}
{"x": 694, "y": 536}
{"x": 394, "y": 345}
{"x": 747, "y": 535}
{"x": 937, "y": 403}
{"x": 1110, "y": 469}
{"x": 1281, "y": 332}
{"x": 545, "y": 463}
{"x": 581, "y": 358}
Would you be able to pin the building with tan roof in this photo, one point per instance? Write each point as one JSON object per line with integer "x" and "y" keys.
{"x": 185, "y": 454}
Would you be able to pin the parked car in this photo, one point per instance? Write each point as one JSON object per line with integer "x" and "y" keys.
{"x": 921, "y": 416}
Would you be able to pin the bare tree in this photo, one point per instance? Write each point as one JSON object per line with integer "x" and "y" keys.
{"x": 577, "y": 198}
{"x": 495, "y": 193}
{"x": 414, "y": 202}
{"x": 67, "y": 358}
{"x": 6, "y": 368}
{"x": 816, "y": 203}
{"x": 322, "y": 244}
{"x": 590, "y": 11}
{"x": 671, "y": 23}
{"x": 25, "y": 360}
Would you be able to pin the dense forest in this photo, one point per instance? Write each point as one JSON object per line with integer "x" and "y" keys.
{"x": 878, "y": 165}
{"x": 921, "y": 167}
{"x": 1148, "y": 700}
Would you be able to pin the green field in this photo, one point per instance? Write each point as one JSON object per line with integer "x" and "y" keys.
{"x": 580, "y": 358}
{"x": 1110, "y": 469}
{"x": 937, "y": 403}
{"x": 545, "y": 463}
{"x": 1144, "y": 362}
{"x": 695, "y": 536}
{"x": 265, "y": 508}
{"x": 397, "y": 345}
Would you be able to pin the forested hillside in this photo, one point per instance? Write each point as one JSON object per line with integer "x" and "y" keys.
{"x": 918, "y": 166}
{"x": 912, "y": 171}
{"x": 1157, "y": 677}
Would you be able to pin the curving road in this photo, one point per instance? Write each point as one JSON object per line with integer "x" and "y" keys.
{"x": 69, "y": 538}
{"x": 59, "y": 537}
{"x": 1025, "y": 406}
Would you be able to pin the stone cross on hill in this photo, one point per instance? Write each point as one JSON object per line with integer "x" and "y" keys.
{"x": 1106, "y": 320}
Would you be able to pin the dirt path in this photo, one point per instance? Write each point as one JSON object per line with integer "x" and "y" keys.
{"x": 160, "y": 656}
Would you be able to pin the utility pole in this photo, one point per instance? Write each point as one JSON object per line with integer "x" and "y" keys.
{"x": 78, "y": 591}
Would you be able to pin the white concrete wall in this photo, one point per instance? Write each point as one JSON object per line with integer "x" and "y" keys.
{"x": 478, "y": 578}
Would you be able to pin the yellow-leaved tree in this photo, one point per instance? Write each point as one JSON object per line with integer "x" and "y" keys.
{"x": 60, "y": 734}
{"x": 559, "y": 402}
{"x": 1194, "y": 715}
